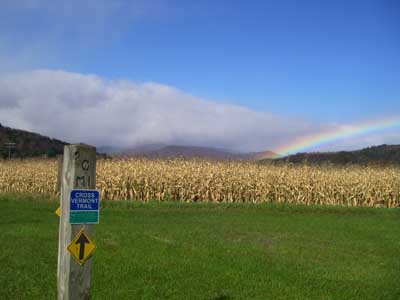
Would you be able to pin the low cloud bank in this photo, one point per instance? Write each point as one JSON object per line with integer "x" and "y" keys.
{"x": 86, "y": 108}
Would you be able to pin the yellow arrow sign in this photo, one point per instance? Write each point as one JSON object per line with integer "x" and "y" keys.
{"x": 81, "y": 247}
{"x": 58, "y": 211}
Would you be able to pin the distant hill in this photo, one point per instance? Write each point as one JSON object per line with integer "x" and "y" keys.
{"x": 28, "y": 144}
{"x": 262, "y": 155}
{"x": 130, "y": 151}
{"x": 173, "y": 151}
{"x": 379, "y": 155}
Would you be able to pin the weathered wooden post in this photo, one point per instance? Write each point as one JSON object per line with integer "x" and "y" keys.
{"x": 79, "y": 205}
{"x": 59, "y": 180}
{"x": 60, "y": 161}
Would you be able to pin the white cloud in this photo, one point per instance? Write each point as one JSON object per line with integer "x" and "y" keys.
{"x": 85, "y": 108}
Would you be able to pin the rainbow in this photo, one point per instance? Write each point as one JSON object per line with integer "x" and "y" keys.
{"x": 342, "y": 132}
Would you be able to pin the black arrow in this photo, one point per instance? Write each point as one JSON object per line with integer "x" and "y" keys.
{"x": 82, "y": 240}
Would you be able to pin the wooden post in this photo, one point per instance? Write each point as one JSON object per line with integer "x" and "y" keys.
{"x": 60, "y": 172}
{"x": 79, "y": 172}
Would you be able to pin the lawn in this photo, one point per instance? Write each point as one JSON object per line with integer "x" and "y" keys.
{"x": 209, "y": 251}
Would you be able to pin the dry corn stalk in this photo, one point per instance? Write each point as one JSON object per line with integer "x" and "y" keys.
{"x": 200, "y": 180}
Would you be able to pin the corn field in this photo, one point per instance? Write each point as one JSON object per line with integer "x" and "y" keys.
{"x": 199, "y": 180}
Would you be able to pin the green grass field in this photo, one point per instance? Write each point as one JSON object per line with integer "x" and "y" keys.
{"x": 209, "y": 251}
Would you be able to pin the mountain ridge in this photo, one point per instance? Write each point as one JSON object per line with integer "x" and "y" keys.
{"x": 28, "y": 144}
{"x": 379, "y": 155}
{"x": 31, "y": 144}
{"x": 188, "y": 152}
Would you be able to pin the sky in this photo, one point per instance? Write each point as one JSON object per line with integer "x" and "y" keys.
{"x": 241, "y": 75}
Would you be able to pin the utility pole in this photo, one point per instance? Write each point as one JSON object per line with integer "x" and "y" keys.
{"x": 9, "y": 146}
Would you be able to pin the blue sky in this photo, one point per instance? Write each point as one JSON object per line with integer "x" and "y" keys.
{"x": 321, "y": 62}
